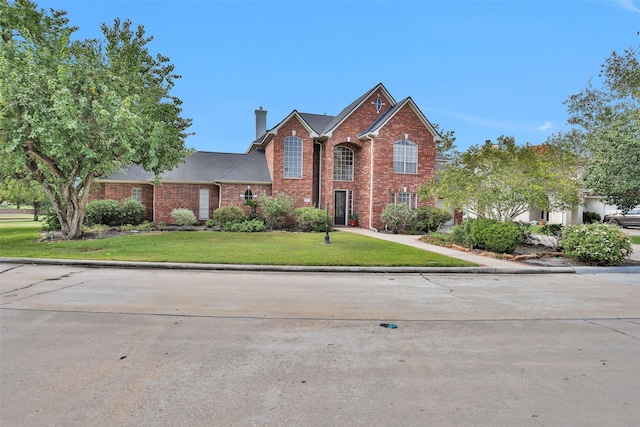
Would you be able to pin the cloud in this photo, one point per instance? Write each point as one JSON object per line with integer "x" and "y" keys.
{"x": 545, "y": 126}
{"x": 628, "y": 5}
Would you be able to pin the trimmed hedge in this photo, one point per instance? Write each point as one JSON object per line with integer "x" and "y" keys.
{"x": 310, "y": 219}
{"x": 101, "y": 212}
{"x": 225, "y": 214}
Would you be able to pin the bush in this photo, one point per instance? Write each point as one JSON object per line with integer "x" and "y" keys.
{"x": 225, "y": 214}
{"x": 183, "y": 217}
{"x": 132, "y": 211}
{"x": 461, "y": 234}
{"x": 428, "y": 219}
{"x": 310, "y": 219}
{"x": 50, "y": 220}
{"x": 398, "y": 218}
{"x": 525, "y": 230}
{"x": 551, "y": 229}
{"x": 101, "y": 212}
{"x": 276, "y": 210}
{"x": 590, "y": 217}
{"x": 596, "y": 244}
{"x": 247, "y": 226}
{"x": 501, "y": 237}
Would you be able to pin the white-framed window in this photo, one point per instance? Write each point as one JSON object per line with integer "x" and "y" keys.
{"x": 342, "y": 164}
{"x": 405, "y": 198}
{"x": 405, "y": 157}
{"x": 136, "y": 194}
{"x": 248, "y": 195}
{"x": 293, "y": 157}
{"x": 203, "y": 212}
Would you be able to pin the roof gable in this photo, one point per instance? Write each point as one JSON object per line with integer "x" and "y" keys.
{"x": 344, "y": 114}
{"x": 375, "y": 127}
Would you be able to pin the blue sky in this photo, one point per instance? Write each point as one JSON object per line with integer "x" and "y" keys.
{"x": 480, "y": 68}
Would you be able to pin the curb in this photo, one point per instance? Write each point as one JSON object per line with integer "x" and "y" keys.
{"x": 289, "y": 268}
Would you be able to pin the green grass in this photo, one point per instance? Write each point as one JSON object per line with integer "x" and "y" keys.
{"x": 635, "y": 240}
{"x": 20, "y": 239}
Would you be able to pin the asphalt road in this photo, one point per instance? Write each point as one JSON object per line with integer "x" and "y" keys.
{"x": 114, "y": 347}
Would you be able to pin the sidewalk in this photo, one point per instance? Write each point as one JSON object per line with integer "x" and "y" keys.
{"x": 414, "y": 241}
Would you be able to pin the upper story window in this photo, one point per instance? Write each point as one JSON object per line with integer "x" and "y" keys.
{"x": 342, "y": 164}
{"x": 405, "y": 157}
{"x": 248, "y": 195}
{"x": 293, "y": 157}
{"x": 136, "y": 194}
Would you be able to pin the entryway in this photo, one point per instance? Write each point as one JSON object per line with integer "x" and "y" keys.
{"x": 340, "y": 207}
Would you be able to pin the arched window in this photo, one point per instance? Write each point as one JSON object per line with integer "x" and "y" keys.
{"x": 293, "y": 157}
{"x": 248, "y": 195}
{"x": 342, "y": 164}
{"x": 405, "y": 157}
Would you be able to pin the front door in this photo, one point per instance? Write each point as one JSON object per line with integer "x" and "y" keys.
{"x": 340, "y": 211}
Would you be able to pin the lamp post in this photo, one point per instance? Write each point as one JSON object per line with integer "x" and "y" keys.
{"x": 326, "y": 235}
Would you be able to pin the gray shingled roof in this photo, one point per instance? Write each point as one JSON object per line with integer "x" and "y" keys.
{"x": 204, "y": 166}
{"x": 317, "y": 122}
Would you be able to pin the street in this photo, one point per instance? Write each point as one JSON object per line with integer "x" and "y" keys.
{"x": 86, "y": 346}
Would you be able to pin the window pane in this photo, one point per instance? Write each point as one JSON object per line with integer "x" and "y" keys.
{"x": 136, "y": 194}
{"x": 293, "y": 157}
{"x": 405, "y": 157}
{"x": 204, "y": 204}
{"x": 343, "y": 164}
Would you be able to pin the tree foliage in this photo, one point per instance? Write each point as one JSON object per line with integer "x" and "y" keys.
{"x": 608, "y": 119}
{"x": 503, "y": 180}
{"x": 71, "y": 111}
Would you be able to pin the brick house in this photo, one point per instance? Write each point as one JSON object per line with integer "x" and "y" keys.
{"x": 375, "y": 152}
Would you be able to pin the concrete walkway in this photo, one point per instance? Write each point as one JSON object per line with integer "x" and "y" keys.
{"x": 414, "y": 241}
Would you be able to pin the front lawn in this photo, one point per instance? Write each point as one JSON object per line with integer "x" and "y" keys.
{"x": 20, "y": 239}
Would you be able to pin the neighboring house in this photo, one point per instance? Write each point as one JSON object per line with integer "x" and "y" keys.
{"x": 375, "y": 152}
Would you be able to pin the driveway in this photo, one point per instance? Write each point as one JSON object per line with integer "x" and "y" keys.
{"x": 128, "y": 347}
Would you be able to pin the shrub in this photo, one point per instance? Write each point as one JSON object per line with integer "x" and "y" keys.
{"x": 596, "y": 244}
{"x": 436, "y": 238}
{"x": 147, "y": 226}
{"x": 183, "y": 217}
{"x": 502, "y": 237}
{"x": 525, "y": 230}
{"x": 132, "y": 211}
{"x": 225, "y": 214}
{"x": 310, "y": 219}
{"x": 276, "y": 210}
{"x": 246, "y": 226}
{"x": 50, "y": 220}
{"x": 590, "y": 217}
{"x": 398, "y": 218}
{"x": 101, "y": 212}
{"x": 428, "y": 219}
{"x": 551, "y": 229}
{"x": 461, "y": 234}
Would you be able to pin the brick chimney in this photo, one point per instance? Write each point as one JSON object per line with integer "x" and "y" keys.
{"x": 261, "y": 122}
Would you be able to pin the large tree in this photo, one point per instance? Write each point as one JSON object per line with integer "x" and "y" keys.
{"x": 608, "y": 117}
{"x": 503, "y": 180}
{"x": 71, "y": 111}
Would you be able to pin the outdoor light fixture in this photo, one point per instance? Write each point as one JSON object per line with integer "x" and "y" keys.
{"x": 406, "y": 136}
{"x": 326, "y": 235}
{"x": 348, "y": 139}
